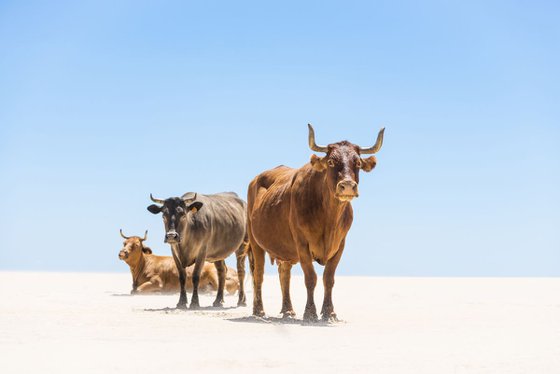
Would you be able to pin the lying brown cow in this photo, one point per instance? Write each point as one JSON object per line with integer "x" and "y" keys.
{"x": 151, "y": 274}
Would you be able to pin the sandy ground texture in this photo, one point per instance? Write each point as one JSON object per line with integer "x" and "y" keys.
{"x": 85, "y": 323}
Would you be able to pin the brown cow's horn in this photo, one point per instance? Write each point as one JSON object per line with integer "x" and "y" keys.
{"x": 124, "y": 237}
{"x": 145, "y": 236}
{"x": 157, "y": 201}
{"x": 314, "y": 147}
{"x": 377, "y": 147}
{"x": 189, "y": 197}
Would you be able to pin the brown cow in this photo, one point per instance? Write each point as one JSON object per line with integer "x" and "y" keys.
{"x": 151, "y": 274}
{"x": 303, "y": 215}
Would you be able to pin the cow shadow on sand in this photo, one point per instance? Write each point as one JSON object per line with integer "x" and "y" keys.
{"x": 185, "y": 310}
{"x": 284, "y": 321}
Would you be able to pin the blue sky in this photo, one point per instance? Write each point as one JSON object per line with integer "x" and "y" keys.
{"x": 103, "y": 102}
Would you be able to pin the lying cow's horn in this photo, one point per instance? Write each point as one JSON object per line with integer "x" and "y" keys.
{"x": 124, "y": 237}
{"x": 314, "y": 147}
{"x": 145, "y": 236}
{"x": 189, "y": 197}
{"x": 157, "y": 201}
{"x": 377, "y": 147}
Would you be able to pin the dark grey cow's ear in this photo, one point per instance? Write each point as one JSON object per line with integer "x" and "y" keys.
{"x": 154, "y": 209}
{"x": 195, "y": 207}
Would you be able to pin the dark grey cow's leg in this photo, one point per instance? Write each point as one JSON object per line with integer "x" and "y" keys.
{"x": 221, "y": 268}
{"x": 241, "y": 255}
{"x": 196, "y": 280}
{"x": 182, "y": 280}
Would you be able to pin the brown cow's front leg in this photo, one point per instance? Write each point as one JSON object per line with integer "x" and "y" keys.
{"x": 241, "y": 255}
{"x": 149, "y": 287}
{"x": 310, "y": 313}
{"x": 284, "y": 272}
{"x": 221, "y": 269}
{"x": 327, "y": 311}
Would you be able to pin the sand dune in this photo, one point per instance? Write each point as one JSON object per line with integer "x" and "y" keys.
{"x": 76, "y": 323}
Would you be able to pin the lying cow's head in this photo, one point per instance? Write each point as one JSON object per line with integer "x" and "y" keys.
{"x": 175, "y": 211}
{"x": 133, "y": 247}
{"x": 343, "y": 163}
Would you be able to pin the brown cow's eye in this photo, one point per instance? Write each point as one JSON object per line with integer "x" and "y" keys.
{"x": 330, "y": 163}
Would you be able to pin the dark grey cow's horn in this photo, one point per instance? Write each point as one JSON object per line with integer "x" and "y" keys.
{"x": 157, "y": 201}
{"x": 189, "y": 197}
{"x": 376, "y": 147}
{"x": 314, "y": 147}
{"x": 124, "y": 237}
{"x": 145, "y": 236}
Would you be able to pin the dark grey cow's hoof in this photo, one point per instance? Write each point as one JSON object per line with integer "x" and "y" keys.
{"x": 194, "y": 306}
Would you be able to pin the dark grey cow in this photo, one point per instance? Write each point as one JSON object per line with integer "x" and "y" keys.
{"x": 203, "y": 228}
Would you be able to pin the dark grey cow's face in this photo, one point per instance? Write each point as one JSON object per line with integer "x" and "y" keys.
{"x": 175, "y": 211}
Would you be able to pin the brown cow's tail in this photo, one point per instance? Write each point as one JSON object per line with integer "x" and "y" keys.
{"x": 245, "y": 251}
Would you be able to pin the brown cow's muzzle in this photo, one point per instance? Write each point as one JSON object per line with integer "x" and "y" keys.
{"x": 346, "y": 190}
{"x": 123, "y": 255}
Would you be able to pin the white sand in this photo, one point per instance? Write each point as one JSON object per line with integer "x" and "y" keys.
{"x": 72, "y": 323}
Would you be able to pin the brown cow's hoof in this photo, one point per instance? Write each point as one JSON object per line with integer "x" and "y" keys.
{"x": 310, "y": 316}
{"x": 218, "y": 304}
{"x": 241, "y": 304}
{"x": 258, "y": 313}
{"x": 182, "y": 306}
{"x": 288, "y": 314}
{"x": 330, "y": 317}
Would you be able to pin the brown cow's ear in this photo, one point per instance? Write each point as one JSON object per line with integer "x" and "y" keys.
{"x": 147, "y": 250}
{"x": 368, "y": 164}
{"x": 318, "y": 163}
{"x": 195, "y": 207}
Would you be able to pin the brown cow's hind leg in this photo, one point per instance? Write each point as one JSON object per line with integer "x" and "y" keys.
{"x": 221, "y": 269}
{"x": 257, "y": 269}
{"x": 284, "y": 272}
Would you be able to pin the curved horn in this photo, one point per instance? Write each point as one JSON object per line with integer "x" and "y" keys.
{"x": 145, "y": 236}
{"x": 157, "y": 201}
{"x": 189, "y": 197}
{"x": 314, "y": 147}
{"x": 124, "y": 237}
{"x": 377, "y": 146}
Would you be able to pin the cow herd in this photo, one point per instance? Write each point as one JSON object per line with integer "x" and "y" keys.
{"x": 295, "y": 215}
